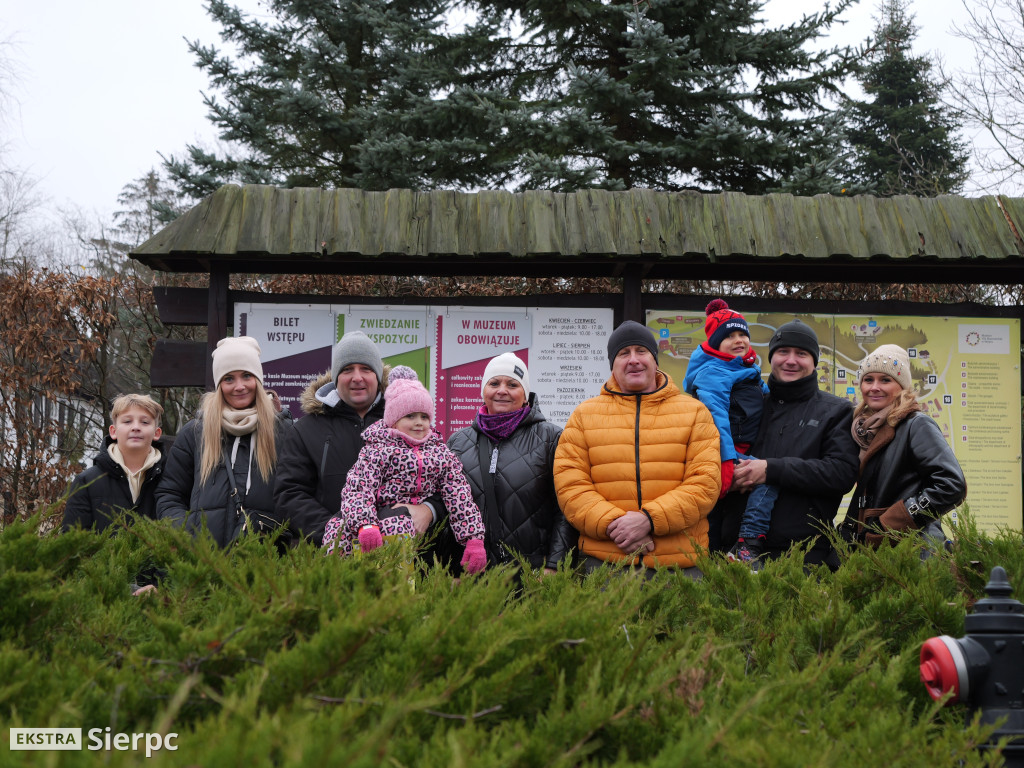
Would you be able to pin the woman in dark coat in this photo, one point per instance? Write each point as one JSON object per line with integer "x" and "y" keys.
{"x": 508, "y": 456}
{"x": 221, "y": 469}
{"x": 909, "y": 476}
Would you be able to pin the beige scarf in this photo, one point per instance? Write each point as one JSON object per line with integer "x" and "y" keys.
{"x": 238, "y": 423}
{"x": 873, "y": 430}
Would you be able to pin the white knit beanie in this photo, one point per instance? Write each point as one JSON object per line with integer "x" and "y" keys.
{"x": 507, "y": 364}
{"x": 888, "y": 359}
{"x": 237, "y": 353}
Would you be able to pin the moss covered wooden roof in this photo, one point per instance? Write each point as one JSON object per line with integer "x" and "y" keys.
{"x": 686, "y": 235}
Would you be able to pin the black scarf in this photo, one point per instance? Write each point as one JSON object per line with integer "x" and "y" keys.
{"x": 789, "y": 391}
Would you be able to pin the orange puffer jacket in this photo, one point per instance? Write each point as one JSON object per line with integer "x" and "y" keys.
{"x": 657, "y": 452}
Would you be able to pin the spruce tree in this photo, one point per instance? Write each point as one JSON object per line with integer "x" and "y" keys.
{"x": 669, "y": 94}
{"x": 905, "y": 140}
{"x": 345, "y": 93}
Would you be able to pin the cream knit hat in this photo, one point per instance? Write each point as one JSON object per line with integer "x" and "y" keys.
{"x": 237, "y": 353}
{"x": 888, "y": 359}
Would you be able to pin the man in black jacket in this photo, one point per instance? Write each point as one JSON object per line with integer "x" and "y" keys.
{"x": 315, "y": 457}
{"x": 803, "y": 446}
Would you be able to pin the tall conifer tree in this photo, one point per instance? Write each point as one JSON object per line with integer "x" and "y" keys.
{"x": 670, "y": 94}
{"x": 345, "y": 93}
{"x": 904, "y": 139}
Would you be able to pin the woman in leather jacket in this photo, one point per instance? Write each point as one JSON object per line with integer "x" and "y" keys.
{"x": 508, "y": 457}
{"x": 909, "y": 476}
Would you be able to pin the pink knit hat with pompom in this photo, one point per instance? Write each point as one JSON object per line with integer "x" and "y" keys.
{"x": 405, "y": 395}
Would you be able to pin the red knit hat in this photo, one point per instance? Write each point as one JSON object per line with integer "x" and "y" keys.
{"x": 722, "y": 322}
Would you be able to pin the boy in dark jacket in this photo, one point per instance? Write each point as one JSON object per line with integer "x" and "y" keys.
{"x": 724, "y": 375}
{"x": 125, "y": 473}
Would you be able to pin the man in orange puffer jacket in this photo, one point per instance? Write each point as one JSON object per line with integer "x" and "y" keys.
{"x": 638, "y": 467}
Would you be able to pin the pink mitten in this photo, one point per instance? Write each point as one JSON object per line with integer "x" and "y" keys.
{"x": 369, "y": 538}
{"x": 475, "y": 559}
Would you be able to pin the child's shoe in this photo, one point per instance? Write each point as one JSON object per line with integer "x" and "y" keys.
{"x": 748, "y": 551}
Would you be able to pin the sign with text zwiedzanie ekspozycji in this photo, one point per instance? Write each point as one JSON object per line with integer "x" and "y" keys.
{"x": 965, "y": 372}
{"x": 448, "y": 347}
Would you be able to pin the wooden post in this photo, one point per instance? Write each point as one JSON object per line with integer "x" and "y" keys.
{"x": 217, "y": 317}
{"x": 632, "y": 296}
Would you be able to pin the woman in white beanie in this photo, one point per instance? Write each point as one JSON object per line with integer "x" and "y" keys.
{"x": 221, "y": 468}
{"x": 909, "y": 476}
{"x": 508, "y": 456}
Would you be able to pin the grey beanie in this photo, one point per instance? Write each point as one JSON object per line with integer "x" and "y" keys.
{"x": 631, "y": 333}
{"x": 795, "y": 334}
{"x": 356, "y": 347}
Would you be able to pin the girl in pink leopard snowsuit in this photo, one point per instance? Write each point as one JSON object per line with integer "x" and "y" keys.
{"x": 402, "y": 462}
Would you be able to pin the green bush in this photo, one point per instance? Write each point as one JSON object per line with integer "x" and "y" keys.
{"x": 297, "y": 660}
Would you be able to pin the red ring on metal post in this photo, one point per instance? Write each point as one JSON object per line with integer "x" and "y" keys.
{"x": 944, "y": 669}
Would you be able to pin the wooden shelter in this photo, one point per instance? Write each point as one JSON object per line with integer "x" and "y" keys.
{"x": 632, "y": 235}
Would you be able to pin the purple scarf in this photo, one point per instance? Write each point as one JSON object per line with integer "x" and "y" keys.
{"x": 499, "y": 426}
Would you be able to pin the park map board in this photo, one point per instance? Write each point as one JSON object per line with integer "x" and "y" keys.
{"x": 966, "y": 372}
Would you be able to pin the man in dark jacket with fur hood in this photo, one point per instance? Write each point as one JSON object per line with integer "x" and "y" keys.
{"x": 803, "y": 446}
{"x": 315, "y": 457}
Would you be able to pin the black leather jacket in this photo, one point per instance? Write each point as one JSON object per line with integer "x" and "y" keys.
{"x": 529, "y": 520}
{"x": 917, "y": 467}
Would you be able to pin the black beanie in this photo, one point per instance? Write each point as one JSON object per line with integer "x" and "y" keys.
{"x": 628, "y": 334}
{"x": 795, "y": 334}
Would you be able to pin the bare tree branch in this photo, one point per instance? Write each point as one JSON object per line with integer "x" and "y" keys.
{"x": 990, "y": 96}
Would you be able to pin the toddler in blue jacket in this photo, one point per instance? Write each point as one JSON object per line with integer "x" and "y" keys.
{"x": 724, "y": 375}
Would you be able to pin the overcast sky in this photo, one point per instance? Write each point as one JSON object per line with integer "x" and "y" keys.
{"x": 104, "y": 86}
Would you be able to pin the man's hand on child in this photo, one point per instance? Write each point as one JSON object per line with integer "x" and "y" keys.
{"x": 421, "y": 516}
{"x": 748, "y": 473}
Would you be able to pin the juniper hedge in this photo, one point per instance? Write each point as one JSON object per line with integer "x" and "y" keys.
{"x": 254, "y": 658}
